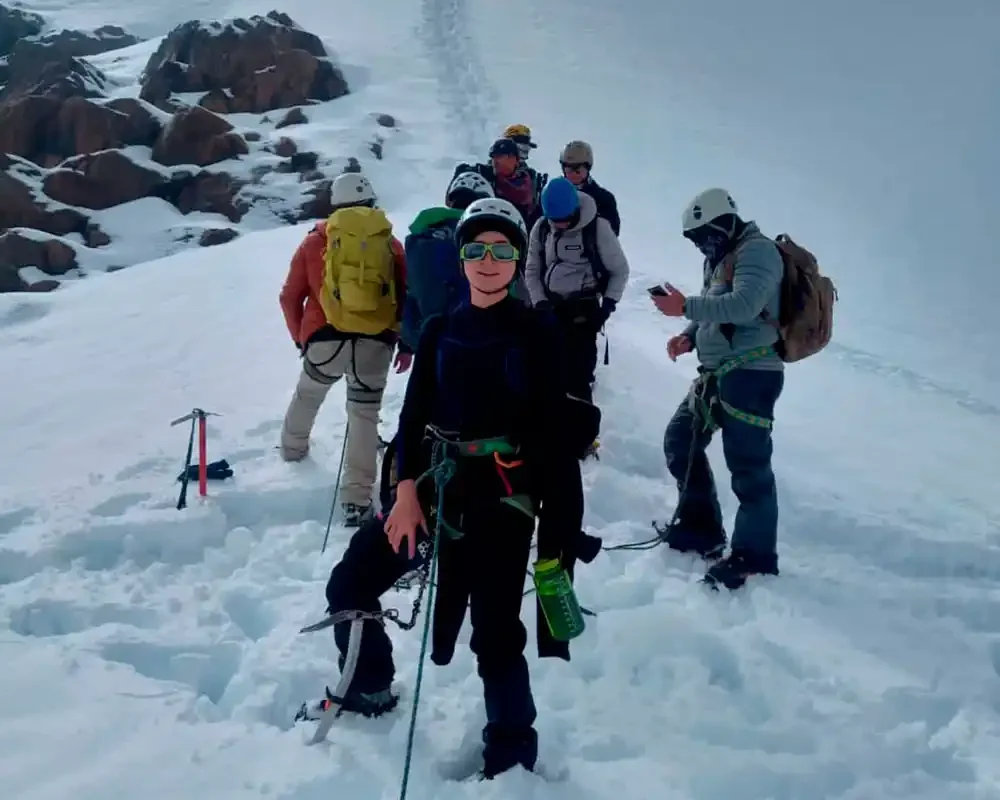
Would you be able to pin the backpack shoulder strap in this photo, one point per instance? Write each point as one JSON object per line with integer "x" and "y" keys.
{"x": 593, "y": 254}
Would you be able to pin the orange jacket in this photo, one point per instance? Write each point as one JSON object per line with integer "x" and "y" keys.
{"x": 299, "y": 296}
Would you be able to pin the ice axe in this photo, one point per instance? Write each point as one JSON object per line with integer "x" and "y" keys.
{"x": 197, "y": 416}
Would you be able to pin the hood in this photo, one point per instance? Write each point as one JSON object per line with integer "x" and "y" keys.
{"x": 588, "y": 210}
{"x": 431, "y": 217}
{"x": 750, "y": 231}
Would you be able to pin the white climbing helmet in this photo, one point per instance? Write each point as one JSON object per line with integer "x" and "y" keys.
{"x": 507, "y": 218}
{"x": 707, "y": 206}
{"x": 471, "y": 182}
{"x": 350, "y": 189}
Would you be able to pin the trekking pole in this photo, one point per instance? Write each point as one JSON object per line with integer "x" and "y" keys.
{"x": 336, "y": 489}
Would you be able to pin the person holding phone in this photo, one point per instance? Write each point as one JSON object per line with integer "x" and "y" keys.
{"x": 741, "y": 375}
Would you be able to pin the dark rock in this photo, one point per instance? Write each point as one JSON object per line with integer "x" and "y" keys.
{"x": 47, "y": 285}
{"x": 17, "y": 24}
{"x": 318, "y": 204}
{"x": 285, "y": 147}
{"x": 386, "y": 120}
{"x": 246, "y": 65}
{"x": 50, "y": 255}
{"x": 210, "y": 192}
{"x": 22, "y": 207}
{"x": 216, "y": 236}
{"x": 102, "y": 180}
{"x": 197, "y": 136}
{"x": 52, "y": 75}
{"x": 95, "y": 237}
{"x": 294, "y": 117}
{"x": 252, "y": 136}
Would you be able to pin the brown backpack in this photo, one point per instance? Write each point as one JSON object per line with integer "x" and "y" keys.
{"x": 807, "y": 298}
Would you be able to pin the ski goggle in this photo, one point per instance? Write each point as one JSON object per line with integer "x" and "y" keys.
{"x": 501, "y": 251}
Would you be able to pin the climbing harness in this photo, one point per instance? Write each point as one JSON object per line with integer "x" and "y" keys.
{"x": 704, "y": 408}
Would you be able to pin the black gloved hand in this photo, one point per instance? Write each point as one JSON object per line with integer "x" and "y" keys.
{"x": 608, "y": 307}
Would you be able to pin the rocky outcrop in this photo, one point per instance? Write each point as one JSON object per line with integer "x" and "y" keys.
{"x": 68, "y": 152}
{"x": 246, "y": 65}
{"x": 197, "y": 136}
{"x": 102, "y": 180}
{"x": 20, "y": 249}
{"x": 22, "y": 207}
{"x": 17, "y": 24}
{"x": 47, "y": 130}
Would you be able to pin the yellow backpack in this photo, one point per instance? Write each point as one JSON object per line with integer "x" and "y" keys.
{"x": 359, "y": 286}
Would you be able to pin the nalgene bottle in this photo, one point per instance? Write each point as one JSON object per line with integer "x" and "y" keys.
{"x": 558, "y": 600}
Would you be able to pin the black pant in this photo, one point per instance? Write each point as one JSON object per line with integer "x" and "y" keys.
{"x": 580, "y": 320}
{"x": 486, "y": 569}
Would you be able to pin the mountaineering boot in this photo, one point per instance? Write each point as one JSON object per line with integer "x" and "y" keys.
{"x": 733, "y": 571}
{"x": 355, "y": 514}
{"x": 710, "y": 545}
{"x": 592, "y": 451}
{"x": 505, "y": 750}
{"x": 368, "y": 705}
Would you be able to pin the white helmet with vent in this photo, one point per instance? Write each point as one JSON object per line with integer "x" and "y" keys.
{"x": 481, "y": 214}
{"x": 471, "y": 182}
{"x": 350, "y": 189}
{"x": 708, "y": 206}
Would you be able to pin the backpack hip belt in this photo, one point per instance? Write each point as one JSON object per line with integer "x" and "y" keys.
{"x": 703, "y": 403}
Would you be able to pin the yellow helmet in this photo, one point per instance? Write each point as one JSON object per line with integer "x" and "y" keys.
{"x": 517, "y": 130}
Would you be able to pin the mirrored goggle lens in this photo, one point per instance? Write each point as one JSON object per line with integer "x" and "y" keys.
{"x": 476, "y": 251}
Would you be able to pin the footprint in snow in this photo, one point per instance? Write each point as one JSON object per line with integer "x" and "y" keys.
{"x": 206, "y": 669}
{"x": 51, "y": 618}
{"x": 12, "y": 520}
{"x": 116, "y": 506}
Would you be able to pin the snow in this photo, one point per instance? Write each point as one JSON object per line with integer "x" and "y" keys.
{"x": 153, "y": 652}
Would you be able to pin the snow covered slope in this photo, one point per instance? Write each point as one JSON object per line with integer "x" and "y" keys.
{"x": 152, "y": 652}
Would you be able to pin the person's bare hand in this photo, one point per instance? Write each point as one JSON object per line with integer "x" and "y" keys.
{"x": 402, "y": 362}
{"x": 671, "y": 302}
{"x": 679, "y": 345}
{"x": 404, "y": 519}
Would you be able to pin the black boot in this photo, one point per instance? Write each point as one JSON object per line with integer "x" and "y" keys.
{"x": 733, "y": 571}
{"x": 505, "y": 750}
{"x": 709, "y": 544}
{"x": 368, "y": 705}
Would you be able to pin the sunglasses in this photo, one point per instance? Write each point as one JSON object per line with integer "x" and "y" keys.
{"x": 575, "y": 167}
{"x": 501, "y": 251}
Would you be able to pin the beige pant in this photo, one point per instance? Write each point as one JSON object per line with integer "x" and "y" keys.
{"x": 365, "y": 363}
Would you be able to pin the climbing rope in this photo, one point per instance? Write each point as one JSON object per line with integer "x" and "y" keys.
{"x": 442, "y": 470}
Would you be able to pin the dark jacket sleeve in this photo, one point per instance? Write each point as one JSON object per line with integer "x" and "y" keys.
{"x": 418, "y": 403}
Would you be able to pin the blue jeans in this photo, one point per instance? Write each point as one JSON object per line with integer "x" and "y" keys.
{"x": 747, "y": 449}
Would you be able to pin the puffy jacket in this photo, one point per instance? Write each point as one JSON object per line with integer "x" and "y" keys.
{"x": 564, "y": 269}
{"x": 299, "y": 296}
{"x": 726, "y": 318}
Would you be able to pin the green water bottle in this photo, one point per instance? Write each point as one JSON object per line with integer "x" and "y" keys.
{"x": 558, "y": 600}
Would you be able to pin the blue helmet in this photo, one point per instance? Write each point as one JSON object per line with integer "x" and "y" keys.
{"x": 560, "y": 199}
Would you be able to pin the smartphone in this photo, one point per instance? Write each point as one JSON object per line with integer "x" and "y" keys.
{"x": 657, "y": 291}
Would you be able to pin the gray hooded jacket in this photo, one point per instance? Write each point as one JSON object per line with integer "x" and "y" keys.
{"x": 736, "y": 307}
{"x": 564, "y": 269}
